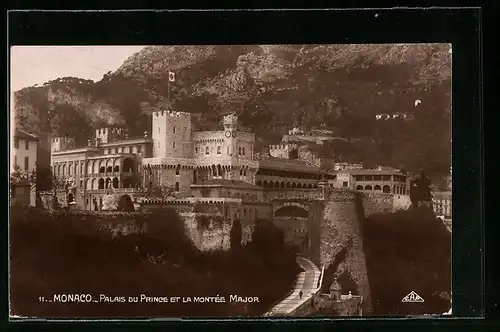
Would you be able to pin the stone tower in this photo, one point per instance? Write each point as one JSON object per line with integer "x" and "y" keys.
{"x": 60, "y": 144}
{"x": 230, "y": 123}
{"x": 171, "y": 132}
{"x": 109, "y": 134}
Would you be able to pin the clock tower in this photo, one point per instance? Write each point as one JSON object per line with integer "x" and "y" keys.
{"x": 230, "y": 123}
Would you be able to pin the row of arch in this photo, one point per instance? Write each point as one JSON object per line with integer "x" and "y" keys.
{"x": 102, "y": 183}
{"x": 217, "y": 170}
{"x": 384, "y": 189}
{"x": 94, "y": 166}
{"x": 277, "y": 184}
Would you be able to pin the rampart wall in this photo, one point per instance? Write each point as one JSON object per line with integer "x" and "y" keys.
{"x": 340, "y": 232}
{"x": 376, "y": 202}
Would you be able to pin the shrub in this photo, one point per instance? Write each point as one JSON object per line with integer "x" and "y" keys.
{"x": 405, "y": 251}
{"x": 125, "y": 204}
{"x": 65, "y": 252}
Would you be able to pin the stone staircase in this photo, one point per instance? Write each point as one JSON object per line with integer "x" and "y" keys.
{"x": 308, "y": 282}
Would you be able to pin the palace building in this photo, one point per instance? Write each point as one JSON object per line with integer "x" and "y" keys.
{"x": 207, "y": 164}
{"x": 173, "y": 155}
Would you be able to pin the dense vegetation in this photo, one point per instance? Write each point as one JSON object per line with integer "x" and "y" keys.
{"x": 60, "y": 254}
{"x": 272, "y": 88}
{"x": 408, "y": 251}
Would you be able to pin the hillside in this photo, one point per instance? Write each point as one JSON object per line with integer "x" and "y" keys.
{"x": 272, "y": 88}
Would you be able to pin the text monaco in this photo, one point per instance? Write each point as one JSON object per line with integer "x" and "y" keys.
{"x": 143, "y": 298}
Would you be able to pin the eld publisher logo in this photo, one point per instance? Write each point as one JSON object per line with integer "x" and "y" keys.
{"x": 412, "y": 298}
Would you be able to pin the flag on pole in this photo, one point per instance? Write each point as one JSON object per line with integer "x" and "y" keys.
{"x": 171, "y": 76}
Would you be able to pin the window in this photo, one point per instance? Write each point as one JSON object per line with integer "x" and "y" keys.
{"x": 377, "y": 178}
{"x": 239, "y": 151}
{"x": 196, "y": 150}
{"x": 15, "y": 160}
{"x": 173, "y": 145}
{"x": 177, "y": 170}
{"x": 345, "y": 184}
{"x": 27, "y": 145}
{"x": 243, "y": 151}
{"x": 207, "y": 150}
{"x": 174, "y": 130}
{"x": 158, "y": 129}
{"x": 26, "y": 163}
{"x": 228, "y": 150}
{"x": 16, "y": 143}
{"x": 139, "y": 149}
{"x": 177, "y": 186}
{"x": 219, "y": 148}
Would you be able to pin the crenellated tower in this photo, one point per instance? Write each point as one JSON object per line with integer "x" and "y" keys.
{"x": 171, "y": 132}
{"x": 61, "y": 144}
{"x": 109, "y": 134}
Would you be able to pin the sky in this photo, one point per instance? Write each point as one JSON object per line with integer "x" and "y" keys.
{"x": 32, "y": 65}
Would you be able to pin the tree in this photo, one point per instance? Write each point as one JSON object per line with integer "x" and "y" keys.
{"x": 157, "y": 192}
{"x": 125, "y": 204}
{"x": 235, "y": 235}
{"x": 58, "y": 184}
{"x": 15, "y": 177}
{"x": 420, "y": 191}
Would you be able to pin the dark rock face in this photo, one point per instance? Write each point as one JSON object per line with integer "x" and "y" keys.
{"x": 272, "y": 88}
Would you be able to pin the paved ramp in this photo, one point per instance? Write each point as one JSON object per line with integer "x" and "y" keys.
{"x": 307, "y": 282}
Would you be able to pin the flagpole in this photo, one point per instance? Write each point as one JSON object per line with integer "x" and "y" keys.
{"x": 168, "y": 90}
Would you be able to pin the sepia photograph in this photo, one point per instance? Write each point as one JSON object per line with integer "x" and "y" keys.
{"x": 203, "y": 181}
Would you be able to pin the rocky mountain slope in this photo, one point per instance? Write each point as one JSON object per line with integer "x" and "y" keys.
{"x": 272, "y": 88}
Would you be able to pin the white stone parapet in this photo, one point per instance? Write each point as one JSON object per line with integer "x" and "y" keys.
{"x": 177, "y": 114}
{"x": 191, "y": 200}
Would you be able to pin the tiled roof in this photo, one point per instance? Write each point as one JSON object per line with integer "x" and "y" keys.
{"x": 287, "y": 164}
{"x": 371, "y": 172}
{"x": 226, "y": 183}
{"x": 24, "y": 135}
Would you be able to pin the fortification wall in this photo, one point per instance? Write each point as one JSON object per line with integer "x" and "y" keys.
{"x": 295, "y": 193}
{"x": 377, "y": 202}
{"x": 117, "y": 223}
{"x": 401, "y": 202}
{"x": 247, "y": 229}
{"x": 208, "y": 232}
{"x": 341, "y": 231}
